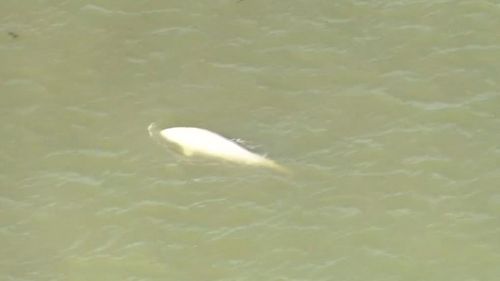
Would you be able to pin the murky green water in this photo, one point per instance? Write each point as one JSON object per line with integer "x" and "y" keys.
{"x": 388, "y": 113}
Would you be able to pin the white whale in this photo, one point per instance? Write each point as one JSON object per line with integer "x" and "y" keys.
{"x": 201, "y": 142}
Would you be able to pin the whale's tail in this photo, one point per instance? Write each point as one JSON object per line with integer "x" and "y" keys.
{"x": 276, "y": 167}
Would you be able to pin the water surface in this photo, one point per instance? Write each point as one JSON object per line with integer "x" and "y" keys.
{"x": 387, "y": 112}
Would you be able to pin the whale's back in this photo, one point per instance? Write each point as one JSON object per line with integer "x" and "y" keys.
{"x": 204, "y": 142}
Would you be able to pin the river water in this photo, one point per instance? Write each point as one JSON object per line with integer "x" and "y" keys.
{"x": 386, "y": 112}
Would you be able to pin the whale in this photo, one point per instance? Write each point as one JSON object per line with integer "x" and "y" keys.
{"x": 192, "y": 142}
